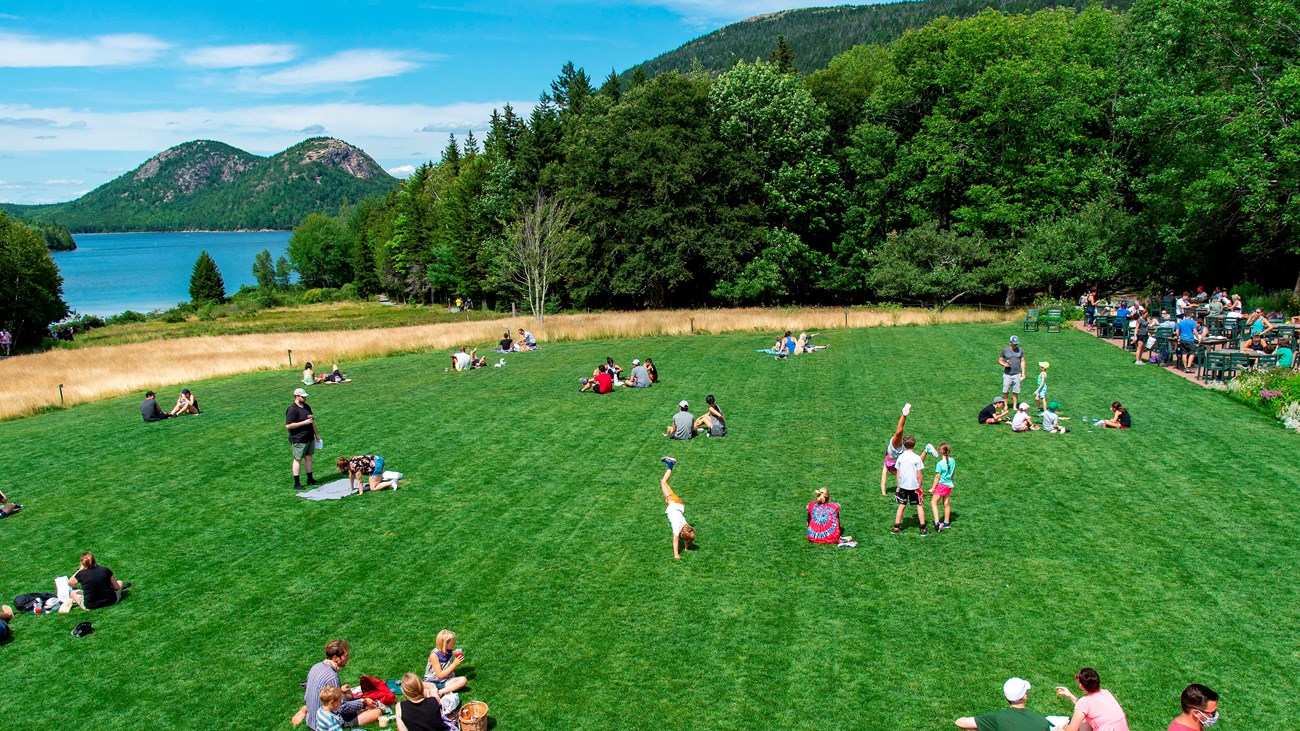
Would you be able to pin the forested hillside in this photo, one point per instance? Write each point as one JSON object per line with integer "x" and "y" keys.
{"x": 818, "y": 34}
{"x": 207, "y": 185}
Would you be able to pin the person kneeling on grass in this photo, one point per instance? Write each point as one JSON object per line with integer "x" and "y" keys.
{"x": 994, "y": 413}
{"x": 366, "y": 472}
{"x": 1119, "y": 418}
{"x": 99, "y": 588}
{"x": 7, "y": 508}
{"x": 824, "y": 521}
{"x": 683, "y": 533}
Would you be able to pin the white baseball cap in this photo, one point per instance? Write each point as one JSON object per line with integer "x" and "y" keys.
{"x": 683, "y": 404}
{"x": 636, "y": 362}
{"x": 1023, "y": 406}
{"x": 300, "y": 392}
{"x": 1016, "y": 689}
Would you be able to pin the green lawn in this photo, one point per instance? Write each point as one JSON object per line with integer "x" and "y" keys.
{"x": 533, "y": 526}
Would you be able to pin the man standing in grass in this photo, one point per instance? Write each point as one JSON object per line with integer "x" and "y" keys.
{"x": 1012, "y": 361}
{"x": 301, "y": 424}
{"x": 1015, "y": 718}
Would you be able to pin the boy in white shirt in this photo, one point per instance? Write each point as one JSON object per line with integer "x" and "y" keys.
{"x": 909, "y": 466}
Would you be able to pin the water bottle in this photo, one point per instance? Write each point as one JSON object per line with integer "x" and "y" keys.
{"x": 39, "y": 608}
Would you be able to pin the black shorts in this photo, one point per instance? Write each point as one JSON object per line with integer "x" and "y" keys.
{"x": 907, "y": 497}
{"x": 1186, "y": 347}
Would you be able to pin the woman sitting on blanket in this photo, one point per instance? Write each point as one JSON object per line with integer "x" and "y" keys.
{"x": 370, "y": 466}
{"x": 309, "y": 376}
{"x": 507, "y": 343}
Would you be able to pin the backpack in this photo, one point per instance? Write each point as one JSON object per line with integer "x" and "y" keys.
{"x": 27, "y": 602}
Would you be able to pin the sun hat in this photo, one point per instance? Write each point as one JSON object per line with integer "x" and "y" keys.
{"x": 1015, "y": 340}
{"x": 300, "y": 392}
{"x": 1054, "y": 405}
{"x": 1043, "y": 364}
{"x": 683, "y": 404}
{"x": 1016, "y": 689}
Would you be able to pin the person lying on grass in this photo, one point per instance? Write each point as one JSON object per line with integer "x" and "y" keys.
{"x": 421, "y": 710}
{"x": 186, "y": 403}
{"x": 683, "y": 533}
{"x": 7, "y": 508}
{"x": 462, "y": 361}
{"x": 440, "y": 671}
{"x": 365, "y": 471}
{"x": 335, "y": 376}
{"x": 711, "y": 423}
{"x": 1097, "y": 709}
{"x": 824, "y": 520}
{"x": 98, "y": 586}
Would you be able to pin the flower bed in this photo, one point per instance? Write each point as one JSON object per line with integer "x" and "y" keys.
{"x": 1275, "y": 391}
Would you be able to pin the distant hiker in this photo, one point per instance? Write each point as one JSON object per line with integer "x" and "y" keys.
{"x": 6, "y": 340}
{"x": 301, "y": 424}
{"x": 150, "y": 410}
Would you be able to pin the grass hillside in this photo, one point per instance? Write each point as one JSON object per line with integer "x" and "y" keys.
{"x": 531, "y": 523}
{"x": 819, "y": 34}
{"x": 208, "y": 185}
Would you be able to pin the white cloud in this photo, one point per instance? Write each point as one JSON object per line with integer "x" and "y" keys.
{"x": 24, "y": 51}
{"x": 228, "y": 57}
{"x": 401, "y": 171}
{"x": 342, "y": 68}
{"x": 64, "y": 181}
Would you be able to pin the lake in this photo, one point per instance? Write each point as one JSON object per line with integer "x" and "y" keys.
{"x": 110, "y": 273}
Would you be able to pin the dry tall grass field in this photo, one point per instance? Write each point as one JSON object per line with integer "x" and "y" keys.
{"x": 30, "y": 383}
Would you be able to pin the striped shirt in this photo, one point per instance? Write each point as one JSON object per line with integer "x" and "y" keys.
{"x": 328, "y": 720}
{"x": 322, "y": 676}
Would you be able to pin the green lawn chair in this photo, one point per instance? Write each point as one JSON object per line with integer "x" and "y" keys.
{"x": 1102, "y": 323}
{"x": 1237, "y": 363}
{"x": 1265, "y": 362}
{"x": 1216, "y": 363}
{"x": 1054, "y": 320}
{"x": 1031, "y": 321}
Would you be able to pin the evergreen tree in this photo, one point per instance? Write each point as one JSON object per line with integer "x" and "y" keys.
{"x": 471, "y": 144}
{"x": 451, "y": 153}
{"x": 206, "y": 284}
{"x": 782, "y": 56}
{"x": 283, "y": 270}
{"x": 264, "y": 270}
{"x": 613, "y": 87}
{"x": 571, "y": 90}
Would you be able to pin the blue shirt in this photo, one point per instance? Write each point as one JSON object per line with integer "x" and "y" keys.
{"x": 944, "y": 470}
{"x": 1187, "y": 329}
{"x": 328, "y": 721}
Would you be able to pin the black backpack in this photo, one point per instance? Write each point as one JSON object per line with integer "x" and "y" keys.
{"x": 27, "y": 602}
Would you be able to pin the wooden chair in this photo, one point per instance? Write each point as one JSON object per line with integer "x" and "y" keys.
{"x": 1054, "y": 320}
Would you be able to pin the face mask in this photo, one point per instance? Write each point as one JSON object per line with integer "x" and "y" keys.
{"x": 1208, "y": 721}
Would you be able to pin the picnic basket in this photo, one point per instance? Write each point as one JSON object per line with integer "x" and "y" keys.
{"x": 474, "y": 716}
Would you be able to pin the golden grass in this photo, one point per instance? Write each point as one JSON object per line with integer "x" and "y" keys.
{"x": 30, "y": 383}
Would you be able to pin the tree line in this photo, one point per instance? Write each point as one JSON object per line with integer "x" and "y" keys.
{"x": 985, "y": 159}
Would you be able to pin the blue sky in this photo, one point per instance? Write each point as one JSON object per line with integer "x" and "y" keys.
{"x": 91, "y": 90}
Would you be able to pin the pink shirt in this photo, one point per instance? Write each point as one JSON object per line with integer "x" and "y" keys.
{"x": 1176, "y": 726}
{"x": 1102, "y": 711}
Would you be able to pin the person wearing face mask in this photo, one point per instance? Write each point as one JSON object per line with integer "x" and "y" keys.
{"x": 1200, "y": 709}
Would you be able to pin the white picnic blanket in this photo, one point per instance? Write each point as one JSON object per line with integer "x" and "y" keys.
{"x": 339, "y": 489}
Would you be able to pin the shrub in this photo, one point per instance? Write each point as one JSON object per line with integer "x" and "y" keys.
{"x": 174, "y": 316}
{"x": 123, "y": 318}
{"x": 348, "y": 292}
{"x": 1070, "y": 309}
{"x": 317, "y": 296}
{"x": 1275, "y": 391}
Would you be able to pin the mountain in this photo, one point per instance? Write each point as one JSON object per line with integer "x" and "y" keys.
{"x": 207, "y": 185}
{"x": 817, "y": 35}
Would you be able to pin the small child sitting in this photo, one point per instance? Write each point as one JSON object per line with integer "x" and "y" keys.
{"x": 327, "y": 716}
{"x": 1052, "y": 421}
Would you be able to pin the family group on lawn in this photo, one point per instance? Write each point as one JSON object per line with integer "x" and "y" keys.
{"x": 365, "y": 472}
{"x": 1012, "y": 360}
{"x": 429, "y": 700}
{"x": 787, "y": 345}
{"x": 609, "y": 375}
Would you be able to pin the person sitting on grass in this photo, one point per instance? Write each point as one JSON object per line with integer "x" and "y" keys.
{"x": 325, "y": 674}
{"x": 309, "y": 376}
{"x": 1052, "y": 420}
{"x": 711, "y": 423}
{"x": 614, "y": 370}
{"x": 640, "y": 377}
{"x": 507, "y": 343}
{"x": 1021, "y": 422}
{"x": 600, "y": 382}
{"x": 186, "y": 403}
{"x": 150, "y": 410}
{"x": 1200, "y": 707}
{"x": 683, "y": 423}
{"x": 327, "y": 715}
{"x": 526, "y": 341}
{"x": 650, "y": 368}
{"x": 824, "y": 521}
{"x": 421, "y": 710}
{"x": 7, "y": 508}
{"x": 365, "y": 472}
{"x": 440, "y": 671}
{"x": 99, "y": 587}
{"x": 994, "y": 413}
{"x": 1014, "y": 718}
{"x": 778, "y": 348}
{"x": 683, "y": 533}
{"x": 6, "y": 616}
{"x": 1097, "y": 709}
{"x": 1119, "y": 418}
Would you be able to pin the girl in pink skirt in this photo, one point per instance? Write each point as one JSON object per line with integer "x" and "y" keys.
{"x": 942, "y": 487}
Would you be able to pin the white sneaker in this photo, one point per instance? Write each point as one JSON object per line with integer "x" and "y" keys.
{"x": 930, "y": 450}
{"x": 907, "y": 409}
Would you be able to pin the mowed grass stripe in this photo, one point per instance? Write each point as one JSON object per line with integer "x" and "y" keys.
{"x": 531, "y": 523}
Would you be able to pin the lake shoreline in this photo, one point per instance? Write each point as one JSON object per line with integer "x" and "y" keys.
{"x": 193, "y": 231}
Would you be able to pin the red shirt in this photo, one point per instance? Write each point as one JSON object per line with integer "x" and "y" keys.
{"x": 604, "y": 383}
